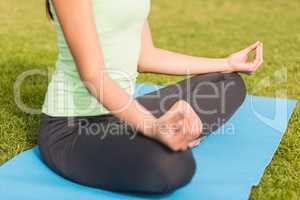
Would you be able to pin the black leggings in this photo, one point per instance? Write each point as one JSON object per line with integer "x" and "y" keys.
{"x": 104, "y": 152}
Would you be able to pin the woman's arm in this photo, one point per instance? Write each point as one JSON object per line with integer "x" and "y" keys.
{"x": 157, "y": 60}
{"x": 77, "y": 22}
{"x": 76, "y": 19}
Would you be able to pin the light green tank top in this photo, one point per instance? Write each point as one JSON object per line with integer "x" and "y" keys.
{"x": 119, "y": 25}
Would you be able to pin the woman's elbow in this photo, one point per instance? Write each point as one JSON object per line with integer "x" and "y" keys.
{"x": 145, "y": 62}
{"x": 141, "y": 68}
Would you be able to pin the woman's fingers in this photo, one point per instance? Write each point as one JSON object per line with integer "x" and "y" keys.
{"x": 194, "y": 143}
{"x": 255, "y": 62}
{"x": 251, "y": 47}
{"x": 197, "y": 127}
{"x": 182, "y": 125}
{"x": 174, "y": 113}
{"x": 193, "y": 123}
{"x": 257, "y": 59}
{"x": 253, "y": 65}
{"x": 260, "y": 56}
{"x": 239, "y": 61}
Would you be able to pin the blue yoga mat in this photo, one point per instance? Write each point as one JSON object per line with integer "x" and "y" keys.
{"x": 229, "y": 161}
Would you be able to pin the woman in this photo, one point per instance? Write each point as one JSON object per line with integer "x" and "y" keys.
{"x": 94, "y": 132}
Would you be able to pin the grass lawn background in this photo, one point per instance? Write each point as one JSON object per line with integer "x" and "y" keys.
{"x": 211, "y": 28}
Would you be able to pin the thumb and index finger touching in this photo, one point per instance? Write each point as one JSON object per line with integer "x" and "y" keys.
{"x": 257, "y": 47}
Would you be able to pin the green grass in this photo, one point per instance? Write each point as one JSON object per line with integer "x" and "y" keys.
{"x": 212, "y": 28}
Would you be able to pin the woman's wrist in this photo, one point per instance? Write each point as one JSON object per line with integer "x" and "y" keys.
{"x": 216, "y": 64}
{"x": 227, "y": 68}
{"x": 148, "y": 126}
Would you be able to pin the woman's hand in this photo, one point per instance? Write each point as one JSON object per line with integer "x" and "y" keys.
{"x": 179, "y": 128}
{"x": 239, "y": 62}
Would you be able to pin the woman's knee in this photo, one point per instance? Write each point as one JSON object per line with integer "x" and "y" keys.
{"x": 235, "y": 89}
{"x": 217, "y": 91}
{"x": 175, "y": 171}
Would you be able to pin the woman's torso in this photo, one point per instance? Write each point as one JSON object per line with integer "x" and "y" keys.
{"x": 119, "y": 25}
